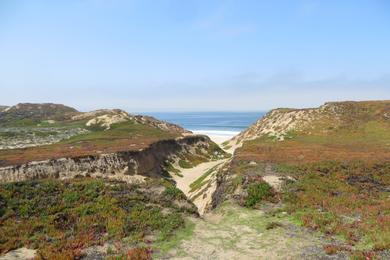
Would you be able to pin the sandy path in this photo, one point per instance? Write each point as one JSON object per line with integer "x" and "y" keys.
{"x": 233, "y": 232}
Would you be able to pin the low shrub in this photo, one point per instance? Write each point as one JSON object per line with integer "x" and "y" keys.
{"x": 258, "y": 192}
{"x": 64, "y": 217}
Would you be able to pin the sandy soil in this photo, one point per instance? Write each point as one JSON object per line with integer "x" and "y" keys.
{"x": 19, "y": 254}
{"x": 217, "y": 136}
{"x": 188, "y": 176}
{"x": 192, "y": 174}
{"x": 233, "y": 232}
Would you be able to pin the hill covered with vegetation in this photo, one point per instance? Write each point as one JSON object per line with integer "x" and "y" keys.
{"x": 93, "y": 184}
{"x": 32, "y": 132}
{"x": 328, "y": 166}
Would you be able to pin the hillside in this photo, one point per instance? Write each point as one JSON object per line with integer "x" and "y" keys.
{"x": 336, "y": 130}
{"x": 301, "y": 184}
{"x": 329, "y": 168}
{"x": 93, "y": 185}
{"x": 33, "y": 132}
{"x": 27, "y": 113}
{"x": 90, "y": 218}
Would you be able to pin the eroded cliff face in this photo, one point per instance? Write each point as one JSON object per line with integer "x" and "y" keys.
{"x": 148, "y": 162}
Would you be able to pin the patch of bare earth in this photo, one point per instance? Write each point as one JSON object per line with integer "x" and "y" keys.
{"x": 19, "y": 254}
{"x": 233, "y": 232}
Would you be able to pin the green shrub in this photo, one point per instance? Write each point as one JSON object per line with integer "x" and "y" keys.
{"x": 258, "y": 192}
{"x": 173, "y": 192}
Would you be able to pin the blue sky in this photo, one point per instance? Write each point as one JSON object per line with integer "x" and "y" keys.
{"x": 193, "y": 55}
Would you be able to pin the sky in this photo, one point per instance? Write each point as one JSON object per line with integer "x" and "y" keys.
{"x": 193, "y": 55}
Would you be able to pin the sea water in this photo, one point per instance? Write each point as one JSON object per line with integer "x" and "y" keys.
{"x": 220, "y": 126}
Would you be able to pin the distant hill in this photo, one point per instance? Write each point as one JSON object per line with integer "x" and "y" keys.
{"x": 47, "y": 131}
{"x": 28, "y": 114}
{"x": 33, "y": 112}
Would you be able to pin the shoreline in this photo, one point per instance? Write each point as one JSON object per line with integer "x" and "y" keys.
{"x": 217, "y": 136}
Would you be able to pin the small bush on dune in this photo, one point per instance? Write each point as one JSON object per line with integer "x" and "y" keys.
{"x": 258, "y": 192}
{"x": 173, "y": 192}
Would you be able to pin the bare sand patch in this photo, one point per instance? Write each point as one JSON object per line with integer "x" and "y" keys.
{"x": 19, "y": 254}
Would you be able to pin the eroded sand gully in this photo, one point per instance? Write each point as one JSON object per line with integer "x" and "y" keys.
{"x": 202, "y": 196}
{"x": 189, "y": 176}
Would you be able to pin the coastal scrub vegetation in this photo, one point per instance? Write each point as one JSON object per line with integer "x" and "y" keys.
{"x": 120, "y": 137}
{"x": 66, "y": 217}
{"x": 336, "y": 172}
{"x": 347, "y": 199}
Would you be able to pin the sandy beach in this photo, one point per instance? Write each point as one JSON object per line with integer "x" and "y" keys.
{"x": 217, "y": 136}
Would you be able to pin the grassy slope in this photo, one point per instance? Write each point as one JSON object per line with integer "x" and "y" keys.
{"x": 342, "y": 169}
{"x": 121, "y": 136}
{"x": 28, "y": 114}
{"x": 358, "y": 131}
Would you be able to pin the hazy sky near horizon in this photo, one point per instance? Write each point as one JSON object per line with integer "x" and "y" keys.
{"x": 193, "y": 55}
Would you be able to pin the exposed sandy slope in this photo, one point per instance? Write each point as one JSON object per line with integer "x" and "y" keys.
{"x": 202, "y": 197}
{"x": 192, "y": 174}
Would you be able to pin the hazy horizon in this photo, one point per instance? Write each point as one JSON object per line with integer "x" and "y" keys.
{"x": 150, "y": 112}
{"x": 191, "y": 56}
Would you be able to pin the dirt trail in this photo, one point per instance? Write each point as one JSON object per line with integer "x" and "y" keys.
{"x": 233, "y": 232}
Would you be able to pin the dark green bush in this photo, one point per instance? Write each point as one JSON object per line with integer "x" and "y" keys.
{"x": 258, "y": 192}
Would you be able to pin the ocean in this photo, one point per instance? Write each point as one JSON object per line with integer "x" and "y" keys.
{"x": 220, "y": 126}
